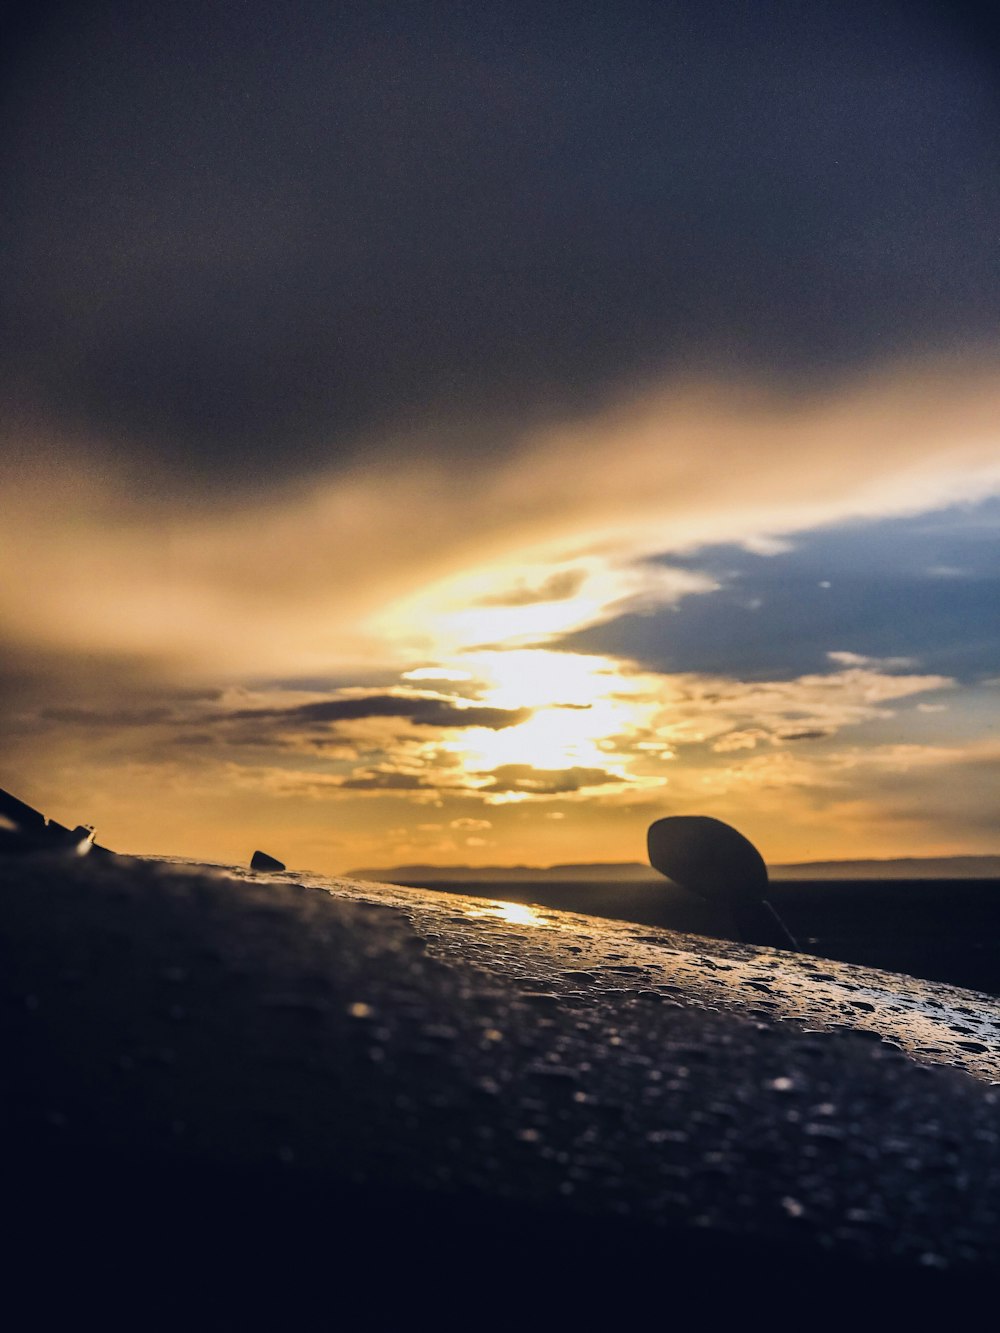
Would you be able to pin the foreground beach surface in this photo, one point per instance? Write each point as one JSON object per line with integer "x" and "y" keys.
{"x": 233, "y": 1093}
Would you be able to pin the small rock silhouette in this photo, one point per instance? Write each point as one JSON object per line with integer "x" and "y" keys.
{"x": 261, "y": 861}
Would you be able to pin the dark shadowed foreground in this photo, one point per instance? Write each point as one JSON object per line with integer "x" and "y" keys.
{"x": 233, "y": 1100}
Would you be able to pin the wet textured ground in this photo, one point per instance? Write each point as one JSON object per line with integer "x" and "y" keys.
{"x": 365, "y": 1057}
{"x": 939, "y": 929}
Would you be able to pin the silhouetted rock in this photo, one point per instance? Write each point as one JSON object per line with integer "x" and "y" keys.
{"x": 724, "y": 868}
{"x": 261, "y": 861}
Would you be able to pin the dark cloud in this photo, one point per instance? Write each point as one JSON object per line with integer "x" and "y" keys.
{"x": 924, "y": 590}
{"x": 249, "y": 237}
{"x": 558, "y": 588}
{"x": 386, "y": 782}
{"x": 112, "y": 717}
{"x": 546, "y": 781}
{"x": 421, "y": 712}
{"x": 193, "y": 718}
{"x": 44, "y": 690}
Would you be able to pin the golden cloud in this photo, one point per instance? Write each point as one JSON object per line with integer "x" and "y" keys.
{"x": 325, "y": 573}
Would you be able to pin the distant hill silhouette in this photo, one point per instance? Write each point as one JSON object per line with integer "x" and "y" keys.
{"x": 599, "y": 870}
{"x": 906, "y": 867}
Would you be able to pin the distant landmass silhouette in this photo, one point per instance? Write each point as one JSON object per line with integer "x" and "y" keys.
{"x": 904, "y": 867}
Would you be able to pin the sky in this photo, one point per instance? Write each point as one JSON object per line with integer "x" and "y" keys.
{"x": 463, "y": 434}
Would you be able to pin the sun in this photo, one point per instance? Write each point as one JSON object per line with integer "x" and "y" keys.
{"x": 486, "y": 632}
{"x": 580, "y": 706}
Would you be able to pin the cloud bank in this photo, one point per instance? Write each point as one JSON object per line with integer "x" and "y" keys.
{"x": 317, "y": 577}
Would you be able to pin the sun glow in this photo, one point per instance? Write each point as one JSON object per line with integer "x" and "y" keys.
{"x": 540, "y": 678}
{"x": 581, "y": 704}
{"x": 527, "y": 602}
{"x": 488, "y": 627}
{"x": 546, "y": 741}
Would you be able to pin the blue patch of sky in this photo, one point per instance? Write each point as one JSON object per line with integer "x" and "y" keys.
{"x": 924, "y": 588}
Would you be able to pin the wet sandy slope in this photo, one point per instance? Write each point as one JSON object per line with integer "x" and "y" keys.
{"x": 183, "y": 1047}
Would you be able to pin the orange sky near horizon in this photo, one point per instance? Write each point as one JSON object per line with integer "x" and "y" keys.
{"x": 365, "y": 670}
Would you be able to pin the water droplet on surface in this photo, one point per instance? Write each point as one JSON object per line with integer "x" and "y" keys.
{"x": 782, "y": 1084}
